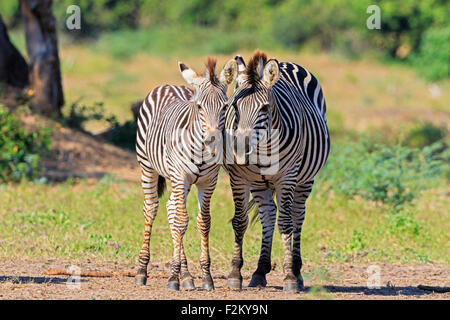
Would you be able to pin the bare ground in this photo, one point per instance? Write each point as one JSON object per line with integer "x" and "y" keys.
{"x": 27, "y": 280}
{"x": 78, "y": 154}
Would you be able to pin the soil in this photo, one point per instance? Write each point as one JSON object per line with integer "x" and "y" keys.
{"x": 80, "y": 155}
{"x": 27, "y": 280}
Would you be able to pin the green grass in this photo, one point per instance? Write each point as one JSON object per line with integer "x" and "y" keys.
{"x": 80, "y": 220}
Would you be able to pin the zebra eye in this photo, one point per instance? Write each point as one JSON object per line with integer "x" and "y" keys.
{"x": 265, "y": 108}
{"x": 199, "y": 106}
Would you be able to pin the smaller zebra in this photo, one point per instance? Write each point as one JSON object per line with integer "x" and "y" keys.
{"x": 177, "y": 130}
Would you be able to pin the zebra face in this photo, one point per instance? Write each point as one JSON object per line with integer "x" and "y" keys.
{"x": 210, "y": 100}
{"x": 253, "y": 104}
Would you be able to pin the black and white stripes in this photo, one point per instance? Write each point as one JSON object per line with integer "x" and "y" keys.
{"x": 176, "y": 126}
{"x": 277, "y": 109}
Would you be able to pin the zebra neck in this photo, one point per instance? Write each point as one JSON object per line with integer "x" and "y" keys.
{"x": 197, "y": 130}
{"x": 276, "y": 123}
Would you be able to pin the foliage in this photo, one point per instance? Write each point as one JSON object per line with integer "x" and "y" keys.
{"x": 19, "y": 150}
{"x": 424, "y": 134}
{"x": 408, "y": 28}
{"x": 403, "y": 23}
{"x": 100, "y": 14}
{"x": 433, "y": 58}
{"x": 394, "y": 175}
{"x": 9, "y": 10}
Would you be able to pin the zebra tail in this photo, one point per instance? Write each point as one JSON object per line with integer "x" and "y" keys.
{"x": 161, "y": 186}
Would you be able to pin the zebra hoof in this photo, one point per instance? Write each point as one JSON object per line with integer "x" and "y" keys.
{"x": 234, "y": 284}
{"x": 188, "y": 284}
{"x": 291, "y": 286}
{"x": 173, "y": 286}
{"x": 257, "y": 281}
{"x": 140, "y": 280}
{"x": 208, "y": 286}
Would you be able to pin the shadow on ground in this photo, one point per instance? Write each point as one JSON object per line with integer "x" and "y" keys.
{"x": 24, "y": 279}
{"x": 382, "y": 291}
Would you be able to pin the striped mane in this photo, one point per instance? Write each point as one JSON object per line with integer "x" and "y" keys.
{"x": 255, "y": 67}
{"x": 210, "y": 71}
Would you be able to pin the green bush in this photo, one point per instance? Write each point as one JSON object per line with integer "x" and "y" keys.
{"x": 424, "y": 134}
{"x": 19, "y": 150}
{"x": 433, "y": 59}
{"x": 393, "y": 175}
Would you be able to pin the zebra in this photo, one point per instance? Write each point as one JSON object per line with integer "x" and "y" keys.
{"x": 174, "y": 121}
{"x": 274, "y": 105}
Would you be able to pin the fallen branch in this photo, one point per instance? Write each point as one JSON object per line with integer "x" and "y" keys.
{"x": 99, "y": 274}
{"x": 434, "y": 289}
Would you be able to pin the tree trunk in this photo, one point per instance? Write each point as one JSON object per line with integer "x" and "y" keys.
{"x": 43, "y": 59}
{"x": 13, "y": 67}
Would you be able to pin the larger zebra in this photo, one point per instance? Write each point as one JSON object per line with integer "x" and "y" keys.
{"x": 176, "y": 127}
{"x": 277, "y": 109}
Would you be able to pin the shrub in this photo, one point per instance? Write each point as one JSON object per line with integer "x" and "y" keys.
{"x": 393, "y": 175}
{"x": 424, "y": 134}
{"x": 19, "y": 150}
{"x": 433, "y": 59}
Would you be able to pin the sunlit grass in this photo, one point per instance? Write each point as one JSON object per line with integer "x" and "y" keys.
{"x": 104, "y": 221}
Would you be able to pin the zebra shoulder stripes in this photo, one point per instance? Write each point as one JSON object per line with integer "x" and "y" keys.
{"x": 277, "y": 110}
{"x": 176, "y": 126}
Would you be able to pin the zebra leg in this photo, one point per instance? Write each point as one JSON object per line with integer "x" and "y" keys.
{"x": 268, "y": 214}
{"x": 203, "y": 226}
{"x": 285, "y": 199}
{"x": 149, "y": 181}
{"x": 302, "y": 192}
{"x": 178, "y": 221}
{"x": 240, "y": 223}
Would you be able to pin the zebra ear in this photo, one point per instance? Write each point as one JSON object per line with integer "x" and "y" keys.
{"x": 241, "y": 68}
{"x": 271, "y": 72}
{"x": 229, "y": 72}
{"x": 189, "y": 75}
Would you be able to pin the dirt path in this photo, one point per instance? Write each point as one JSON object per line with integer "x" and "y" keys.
{"x": 21, "y": 280}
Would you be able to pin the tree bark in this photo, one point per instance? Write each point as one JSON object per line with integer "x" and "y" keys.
{"x": 43, "y": 59}
{"x": 13, "y": 67}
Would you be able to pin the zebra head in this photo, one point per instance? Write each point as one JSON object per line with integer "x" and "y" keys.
{"x": 210, "y": 99}
{"x": 252, "y": 104}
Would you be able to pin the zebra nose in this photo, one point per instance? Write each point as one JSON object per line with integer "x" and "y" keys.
{"x": 212, "y": 141}
{"x": 242, "y": 146}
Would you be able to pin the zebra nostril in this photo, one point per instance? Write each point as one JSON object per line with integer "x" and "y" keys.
{"x": 242, "y": 146}
{"x": 210, "y": 140}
